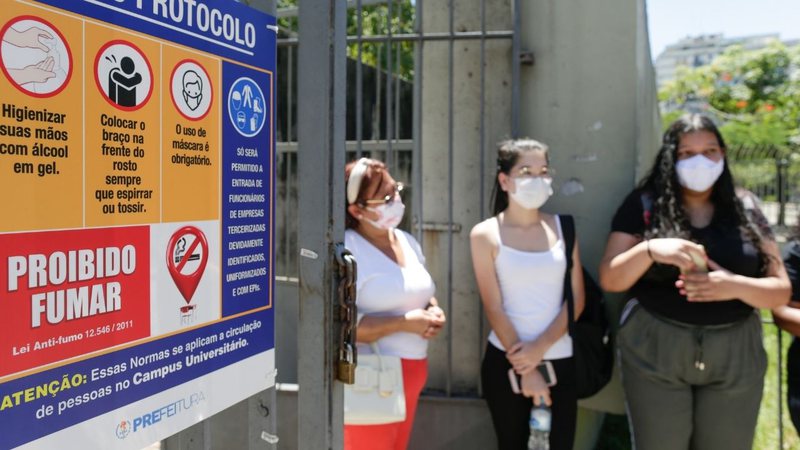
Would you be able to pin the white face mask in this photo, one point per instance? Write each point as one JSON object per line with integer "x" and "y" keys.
{"x": 531, "y": 193}
{"x": 389, "y": 216}
{"x": 699, "y": 173}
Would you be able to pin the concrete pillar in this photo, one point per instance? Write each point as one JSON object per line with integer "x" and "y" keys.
{"x": 591, "y": 97}
{"x": 464, "y": 321}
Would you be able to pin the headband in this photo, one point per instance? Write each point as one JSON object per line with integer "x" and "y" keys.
{"x": 354, "y": 182}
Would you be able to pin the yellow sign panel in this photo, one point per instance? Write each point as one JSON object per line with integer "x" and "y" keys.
{"x": 41, "y": 140}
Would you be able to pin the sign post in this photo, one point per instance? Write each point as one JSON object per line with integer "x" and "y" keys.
{"x": 136, "y": 172}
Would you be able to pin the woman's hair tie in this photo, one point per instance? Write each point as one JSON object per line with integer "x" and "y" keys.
{"x": 354, "y": 182}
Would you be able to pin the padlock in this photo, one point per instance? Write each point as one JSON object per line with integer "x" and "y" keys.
{"x": 346, "y": 369}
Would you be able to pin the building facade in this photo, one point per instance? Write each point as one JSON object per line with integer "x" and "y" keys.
{"x": 701, "y": 50}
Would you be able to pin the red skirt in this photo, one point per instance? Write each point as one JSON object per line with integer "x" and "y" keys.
{"x": 392, "y": 436}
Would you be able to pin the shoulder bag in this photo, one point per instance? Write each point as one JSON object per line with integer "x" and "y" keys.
{"x": 591, "y": 344}
{"x": 377, "y": 396}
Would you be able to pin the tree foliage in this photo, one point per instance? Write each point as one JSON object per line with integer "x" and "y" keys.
{"x": 375, "y": 21}
{"x": 754, "y": 94}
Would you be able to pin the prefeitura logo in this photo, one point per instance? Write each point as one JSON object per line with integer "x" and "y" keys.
{"x": 123, "y": 429}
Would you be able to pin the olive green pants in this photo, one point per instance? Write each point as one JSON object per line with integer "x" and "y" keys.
{"x": 691, "y": 387}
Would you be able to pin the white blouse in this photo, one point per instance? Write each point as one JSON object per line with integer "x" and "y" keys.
{"x": 386, "y": 289}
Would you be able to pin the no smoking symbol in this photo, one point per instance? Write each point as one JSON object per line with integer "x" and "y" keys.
{"x": 187, "y": 255}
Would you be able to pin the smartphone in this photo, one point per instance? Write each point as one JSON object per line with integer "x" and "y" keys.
{"x": 700, "y": 265}
{"x": 545, "y": 368}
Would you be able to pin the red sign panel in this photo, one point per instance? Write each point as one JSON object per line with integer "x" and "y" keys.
{"x": 69, "y": 293}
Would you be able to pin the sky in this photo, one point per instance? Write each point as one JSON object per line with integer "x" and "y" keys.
{"x": 671, "y": 20}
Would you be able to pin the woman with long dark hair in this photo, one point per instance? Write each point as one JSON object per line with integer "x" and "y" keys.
{"x": 697, "y": 264}
{"x": 520, "y": 259}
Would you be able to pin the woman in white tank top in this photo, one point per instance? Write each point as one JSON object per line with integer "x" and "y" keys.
{"x": 519, "y": 260}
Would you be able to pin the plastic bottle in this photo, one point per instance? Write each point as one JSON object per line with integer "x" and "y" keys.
{"x": 540, "y": 427}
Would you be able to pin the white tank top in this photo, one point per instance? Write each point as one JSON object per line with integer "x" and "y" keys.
{"x": 531, "y": 287}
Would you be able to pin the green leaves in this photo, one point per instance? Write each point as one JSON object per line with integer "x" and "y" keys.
{"x": 375, "y": 21}
{"x": 754, "y": 94}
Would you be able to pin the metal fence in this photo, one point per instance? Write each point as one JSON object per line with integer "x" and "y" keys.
{"x": 773, "y": 176}
{"x": 387, "y": 81}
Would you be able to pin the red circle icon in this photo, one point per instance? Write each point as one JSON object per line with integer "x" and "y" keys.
{"x": 191, "y": 89}
{"x": 35, "y": 56}
{"x": 187, "y": 256}
{"x": 123, "y": 75}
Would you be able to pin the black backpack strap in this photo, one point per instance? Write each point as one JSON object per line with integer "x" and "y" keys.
{"x": 568, "y": 233}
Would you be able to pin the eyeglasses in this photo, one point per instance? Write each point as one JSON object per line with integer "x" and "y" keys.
{"x": 525, "y": 172}
{"x": 389, "y": 199}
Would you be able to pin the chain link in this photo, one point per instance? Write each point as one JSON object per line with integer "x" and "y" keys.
{"x": 347, "y": 270}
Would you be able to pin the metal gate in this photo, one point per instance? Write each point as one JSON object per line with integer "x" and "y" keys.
{"x": 427, "y": 87}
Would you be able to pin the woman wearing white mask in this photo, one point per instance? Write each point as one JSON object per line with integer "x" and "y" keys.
{"x": 519, "y": 257}
{"x": 396, "y": 307}
{"x": 697, "y": 261}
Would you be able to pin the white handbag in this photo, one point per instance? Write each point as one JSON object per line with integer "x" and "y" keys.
{"x": 377, "y": 397}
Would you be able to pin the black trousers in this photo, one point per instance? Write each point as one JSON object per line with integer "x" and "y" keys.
{"x": 510, "y": 412}
{"x": 793, "y": 381}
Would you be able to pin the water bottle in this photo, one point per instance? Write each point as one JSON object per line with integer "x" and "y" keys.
{"x": 540, "y": 427}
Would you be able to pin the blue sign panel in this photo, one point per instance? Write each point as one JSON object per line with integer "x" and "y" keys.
{"x": 138, "y": 264}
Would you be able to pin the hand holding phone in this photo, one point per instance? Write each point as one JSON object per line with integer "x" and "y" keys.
{"x": 699, "y": 262}
{"x": 523, "y": 356}
{"x": 548, "y": 373}
{"x": 700, "y": 265}
{"x": 531, "y": 385}
{"x": 545, "y": 369}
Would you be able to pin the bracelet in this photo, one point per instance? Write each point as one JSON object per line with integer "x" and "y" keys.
{"x": 648, "y": 251}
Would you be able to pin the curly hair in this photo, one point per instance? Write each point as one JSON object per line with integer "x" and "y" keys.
{"x": 508, "y": 152}
{"x": 668, "y": 217}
